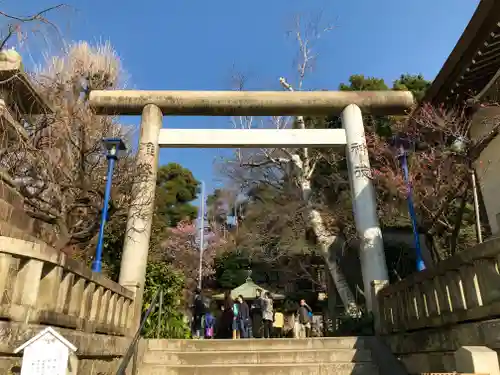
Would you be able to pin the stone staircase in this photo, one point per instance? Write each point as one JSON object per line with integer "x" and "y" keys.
{"x": 318, "y": 356}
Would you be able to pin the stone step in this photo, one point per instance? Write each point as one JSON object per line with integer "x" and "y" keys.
{"x": 257, "y": 357}
{"x": 259, "y": 344}
{"x": 267, "y": 369}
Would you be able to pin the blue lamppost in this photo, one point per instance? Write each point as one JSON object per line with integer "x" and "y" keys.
{"x": 403, "y": 146}
{"x": 113, "y": 146}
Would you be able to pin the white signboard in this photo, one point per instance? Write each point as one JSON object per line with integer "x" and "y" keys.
{"x": 46, "y": 354}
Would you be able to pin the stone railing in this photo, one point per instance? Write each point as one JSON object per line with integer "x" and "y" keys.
{"x": 42, "y": 286}
{"x": 463, "y": 288}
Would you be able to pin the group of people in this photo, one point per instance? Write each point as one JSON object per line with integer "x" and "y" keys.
{"x": 239, "y": 320}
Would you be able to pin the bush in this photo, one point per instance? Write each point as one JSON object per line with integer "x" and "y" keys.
{"x": 172, "y": 324}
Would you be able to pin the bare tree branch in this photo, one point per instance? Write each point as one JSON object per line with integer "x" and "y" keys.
{"x": 15, "y": 27}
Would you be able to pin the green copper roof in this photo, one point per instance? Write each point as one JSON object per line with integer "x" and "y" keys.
{"x": 248, "y": 290}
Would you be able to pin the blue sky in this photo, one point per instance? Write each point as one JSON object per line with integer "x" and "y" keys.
{"x": 193, "y": 45}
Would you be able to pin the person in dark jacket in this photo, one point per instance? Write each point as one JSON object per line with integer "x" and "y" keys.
{"x": 243, "y": 318}
{"x": 227, "y": 318}
{"x": 256, "y": 315}
{"x": 304, "y": 314}
{"x": 198, "y": 309}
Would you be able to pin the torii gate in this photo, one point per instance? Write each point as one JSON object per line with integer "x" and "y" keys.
{"x": 153, "y": 105}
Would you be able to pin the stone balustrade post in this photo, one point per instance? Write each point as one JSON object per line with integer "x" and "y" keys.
{"x": 49, "y": 287}
{"x": 476, "y": 360}
{"x": 25, "y": 291}
{"x": 377, "y": 312}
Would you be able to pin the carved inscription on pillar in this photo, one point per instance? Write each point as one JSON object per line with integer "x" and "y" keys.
{"x": 359, "y": 155}
{"x": 146, "y": 159}
{"x": 359, "y": 149}
{"x": 148, "y": 148}
{"x": 362, "y": 170}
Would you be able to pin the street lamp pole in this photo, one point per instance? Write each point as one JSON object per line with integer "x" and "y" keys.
{"x": 202, "y": 234}
{"x": 113, "y": 146}
{"x": 411, "y": 211}
{"x": 403, "y": 145}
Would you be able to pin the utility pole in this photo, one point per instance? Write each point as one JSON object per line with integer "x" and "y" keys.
{"x": 202, "y": 233}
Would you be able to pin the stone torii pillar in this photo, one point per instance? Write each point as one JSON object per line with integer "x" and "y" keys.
{"x": 154, "y": 104}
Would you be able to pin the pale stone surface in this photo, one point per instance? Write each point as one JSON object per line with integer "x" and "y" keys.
{"x": 16, "y": 88}
{"x": 378, "y": 319}
{"x": 431, "y": 314}
{"x": 250, "y": 103}
{"x": 428, "y": 363}
{"x": 432, "y": 349}
{"x": 371, "y": 251}
{"x": 10, "y": 59}
{"x": 340, "y": 356}
{"x": 477, "y": 360}
{"x": 488, "y": 164}
{"x": 251, "y": 138}
{"x": 138, "y": 232}
{"x": 41, "y": 285}
{"x": 462, "y": 288}
{"x": 98, "y": 353}
{"x": 48, "y": 353}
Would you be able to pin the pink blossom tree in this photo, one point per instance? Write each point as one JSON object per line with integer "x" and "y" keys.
{"x": 441, "y": 161}
{"x": 182, "y": 250}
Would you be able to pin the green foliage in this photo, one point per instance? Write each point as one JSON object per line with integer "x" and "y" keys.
{"x": 382, "y": 125}
{"x": 414, "y": 83}
{"x": 358, "y": 82}
{"x": 112, "y": 248}
{"x": 176, "y": 187}
{"x": 171, "y": 282}
{"x": 231, "y": 269}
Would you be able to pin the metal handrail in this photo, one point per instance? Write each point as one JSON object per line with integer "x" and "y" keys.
{"x": 131, "y": 349}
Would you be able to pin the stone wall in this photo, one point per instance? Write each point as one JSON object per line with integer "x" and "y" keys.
{"x": 16, "y": 93}
{"x": 430, "y": 314}
{"x": 41, "y": 287}
{"x": 487, "y": 166}
{"x": 15, "y": 223}
{"x": 97, "y": 353}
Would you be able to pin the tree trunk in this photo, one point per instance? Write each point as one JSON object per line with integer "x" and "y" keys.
{"x": 328, "y": 245}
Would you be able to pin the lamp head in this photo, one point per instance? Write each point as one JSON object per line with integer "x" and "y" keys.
{"x": 401, "y": 144}
{"x": 113, "y": 146}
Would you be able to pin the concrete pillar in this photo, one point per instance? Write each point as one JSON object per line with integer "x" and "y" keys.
{"x": 476, "y": 360}
{"x": 140, "y": 217}
{"x": 372, "y": 256}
